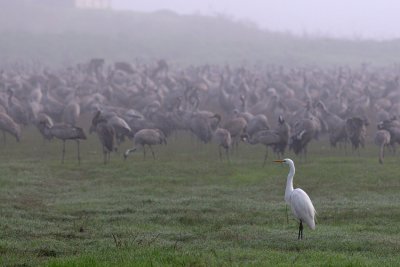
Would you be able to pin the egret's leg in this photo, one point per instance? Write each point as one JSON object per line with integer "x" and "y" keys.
{"x": 298, "y": 237}
{"x": 300, "y": 230}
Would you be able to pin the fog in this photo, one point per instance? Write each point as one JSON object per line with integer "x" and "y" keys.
{"x": 202, "y": 31}
{"x": 355, "y": 19}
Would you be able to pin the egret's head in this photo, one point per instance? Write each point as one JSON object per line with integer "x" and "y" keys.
{"x": 286, "y": 161}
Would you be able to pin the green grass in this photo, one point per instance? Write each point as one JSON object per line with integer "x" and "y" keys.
{"x": 189, "y": 209}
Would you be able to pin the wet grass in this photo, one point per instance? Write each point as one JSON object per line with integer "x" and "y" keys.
{"x": 189, "y": 209}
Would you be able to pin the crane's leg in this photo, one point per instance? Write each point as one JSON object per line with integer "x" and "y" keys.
{"x": 237, "y": 145}
{"x": 220, "y": 153}
{"x": 104, "y": 155}
{"x": 152, "y": 152}
{"x": 4, "y": 137}
{"x": 300, "y": 230}
{"x": 63, "y": 152}
{"x": 266, "y": 155}
{"x": 79, "y": 154}
{"x": 118, "y": 138}
{"x": 305, "y": 154}
{"x": 227, "y": 154}
{"x": 144, "y": 151}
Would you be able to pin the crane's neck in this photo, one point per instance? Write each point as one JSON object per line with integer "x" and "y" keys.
{"x": 289, "y": 183}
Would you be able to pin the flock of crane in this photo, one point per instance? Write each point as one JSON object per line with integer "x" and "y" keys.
{"x": 279, "y": 107}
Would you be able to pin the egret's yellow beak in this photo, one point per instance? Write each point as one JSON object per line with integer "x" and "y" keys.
{"x": 279, "y": 161}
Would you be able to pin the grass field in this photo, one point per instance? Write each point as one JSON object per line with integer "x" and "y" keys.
{"x": 189, "y": 209}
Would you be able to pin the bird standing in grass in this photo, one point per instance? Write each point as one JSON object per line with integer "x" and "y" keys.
{"x": 222, "y": 137}
{"x": 298, "y": 200}
{"x": 382, "y": 139}
{"x": 64, "y": 132}
{"x": 106, "y": 134}
{"x": 147, "y": 137}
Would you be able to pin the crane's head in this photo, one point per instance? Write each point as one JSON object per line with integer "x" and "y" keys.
{"x": 286, "y": 161}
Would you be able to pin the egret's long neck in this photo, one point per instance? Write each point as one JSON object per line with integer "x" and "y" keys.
{"x": 289, "y": 182}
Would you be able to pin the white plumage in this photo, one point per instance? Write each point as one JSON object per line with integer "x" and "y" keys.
{"x": 302, "y": 207}
{"x": 300, "y": 203}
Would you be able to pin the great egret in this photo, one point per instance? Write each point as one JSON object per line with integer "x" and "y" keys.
{"x": 298, "y": 200}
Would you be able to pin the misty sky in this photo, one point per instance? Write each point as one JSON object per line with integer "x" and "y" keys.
{"x": 378, "y": 19}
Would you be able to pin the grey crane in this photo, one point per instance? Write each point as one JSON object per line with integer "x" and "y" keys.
{"x": 16, "y": 109}
{"x": 277, "y": 138}
{"x": 393, "y": 127}
{"x": 257, "y": 123}
{"x": 105, "y": 133}
{"x": 336, "y": 125}
{"x": 356, "y": 131}
{"x": 65, "y": 132}
{"x": 121, "y": 128}
{"x": 222, "y": 137}
{"x": 71, "y": 113}
{"x": 198, "y": 122}
{"x": 7, "y": 124}
{"x": 308, "y": 111}
{"x": 236, "y": 128}
{"x": 147, "y": 137}
{"x": 303, "y": 132}
{"x": 52, "y": 106}
{"x": 243, "y": 112}
{"x": 42, "y": 122}
{"x": 199, "y": 125}
{"x": 382, "y": 139}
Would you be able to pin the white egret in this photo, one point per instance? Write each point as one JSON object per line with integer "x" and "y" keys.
{"x": 298, "y": 200}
